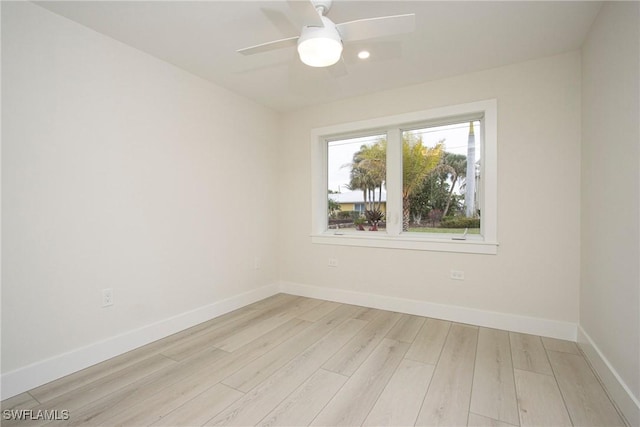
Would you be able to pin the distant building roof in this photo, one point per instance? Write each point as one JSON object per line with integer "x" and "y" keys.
{"x": 354, "y": 196}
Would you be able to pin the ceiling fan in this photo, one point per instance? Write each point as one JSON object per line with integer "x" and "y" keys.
{"x": 321, "y": 41}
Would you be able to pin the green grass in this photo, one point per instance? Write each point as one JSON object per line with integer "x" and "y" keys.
{"x": 424, "y": 230}
{"x": 443, "y": 230}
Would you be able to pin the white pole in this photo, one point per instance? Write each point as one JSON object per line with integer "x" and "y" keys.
{"x": 470, "y": 192}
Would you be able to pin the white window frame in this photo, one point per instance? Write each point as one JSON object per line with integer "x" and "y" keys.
{"x": 394, "y": 238}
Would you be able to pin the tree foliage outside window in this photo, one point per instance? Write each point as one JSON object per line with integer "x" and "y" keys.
{"x": 369, "y": 172}
{"x": 446, "y": 195}
{"x": 418, "y": 163}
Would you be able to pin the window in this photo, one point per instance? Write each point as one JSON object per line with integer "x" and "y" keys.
{"x": 423, "y": 180}
{"x": 441, "y": 171}
{"x": 356, "y": 177}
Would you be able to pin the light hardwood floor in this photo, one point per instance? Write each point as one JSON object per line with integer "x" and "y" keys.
{"x": 293, "y": 361}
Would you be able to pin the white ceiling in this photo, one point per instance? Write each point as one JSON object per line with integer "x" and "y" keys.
{"x": 451, "y": 38}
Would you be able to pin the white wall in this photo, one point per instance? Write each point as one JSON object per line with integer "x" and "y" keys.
{"x": 536, "y": 271}
{"x": 610, "y": 275}
{"x": 121, "y": 171}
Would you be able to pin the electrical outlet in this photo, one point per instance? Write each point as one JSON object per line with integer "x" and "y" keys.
{"x": 107, "y": 297}
{"x": 457, "y": 275}
{"x": 333, "y": 262}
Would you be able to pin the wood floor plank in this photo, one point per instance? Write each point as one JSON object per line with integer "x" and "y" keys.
{"x": 256, "y": 404}
{"x": 400, "y": 402}
{"x": 319, "y": 312}
{"x": 351, "y": 356}
{"x": 256, "y": 371}
{"x": 68, "y": 383}
{"x": 20, "y": 401}
{"x": 353, "y": 402}
{"x": 84, "y": 416}
{"x": 476, "y": 420}
{"x": 540, "y": 402}
{"x": 247, "y": 334}
{"x": 111, "y": 382}
{"x": 267, "y": 342}
{"x": 303, "y": 306}
{"x": 368, "y": 314}
{"x": 159, "y": 400}
{"x": 201, "y": 408}
{"x": 554, "y": 344}
{"x": 407, "y": 328}
{"x": 93, "y": 373}
{"x": 274, "y": 301}
{"x": 428, "y": 344}
{"x": 447, "y": 400}
{"x": 208, "y": 360}
{"x": 302, "y": 406}
{"x": 529, "y": 354}
{"x": 227, "y": 326}
{"x": 586, "y": 400}
{"x": 203, "y": 339}
{"x": 106, "y": 385}
{"x": 113, "y": 406}
{"x": 493, "y": 394}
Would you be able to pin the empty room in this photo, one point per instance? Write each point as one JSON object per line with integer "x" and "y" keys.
{"x": 315, "y": 212}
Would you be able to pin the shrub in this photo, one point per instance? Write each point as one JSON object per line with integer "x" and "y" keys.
{"x": 435, "y": 215}
{"x": 374, "y": 216}
{"x": 339, "y": 221}
{"x": 345, "y": 215}
{"x": 460, "y": 222}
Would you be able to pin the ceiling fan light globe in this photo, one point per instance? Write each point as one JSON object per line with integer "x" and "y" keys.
{"x": 320, "y": 46}
{"x": 320, "y": 52}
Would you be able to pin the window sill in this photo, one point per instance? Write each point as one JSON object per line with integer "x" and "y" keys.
{"x": 381, "y": 240}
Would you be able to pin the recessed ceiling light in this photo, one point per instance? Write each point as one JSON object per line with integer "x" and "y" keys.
{"x": 364, "y": 54}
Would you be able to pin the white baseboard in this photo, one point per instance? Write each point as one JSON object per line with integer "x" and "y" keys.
{"x": 618, "y": 390}
{"x": 491, "y": 319}
{"x": 39, "y": 373}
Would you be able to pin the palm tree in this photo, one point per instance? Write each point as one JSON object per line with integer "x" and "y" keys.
{"x": 417, "y": 163}
{"x": 358, "y": 181}
{"x": 369, "y": 169}
{"x": 455, "y": 165}
{"x": 333, "y": 207}
{"x": 373, "y": 160}
{"x": 368, "y": 172}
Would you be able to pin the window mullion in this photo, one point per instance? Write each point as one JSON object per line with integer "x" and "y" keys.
{"x": 394, "y": 181}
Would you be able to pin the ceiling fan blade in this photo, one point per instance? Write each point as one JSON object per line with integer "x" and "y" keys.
{"x": 266, "y": 47}
{"x": 280, "y": 21}
{"x": 377, "y": 27}
{"x": 306, "y": 12}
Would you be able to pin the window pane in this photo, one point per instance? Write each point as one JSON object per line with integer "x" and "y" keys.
{"x": 356, "y": 183}
{"x": 441, "y": 182}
